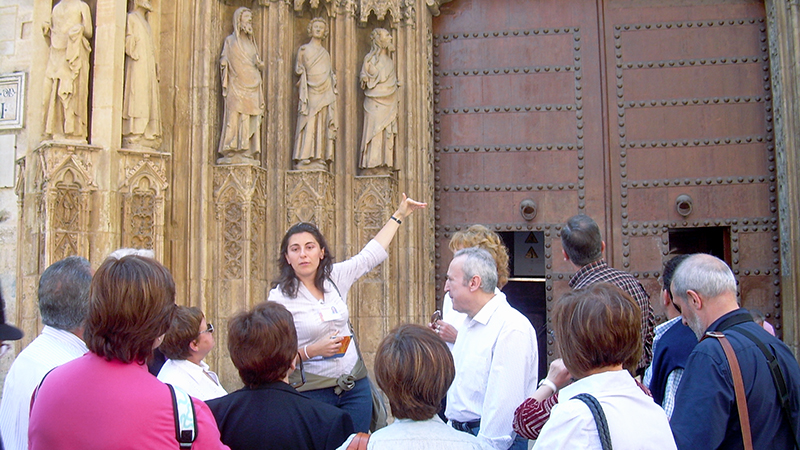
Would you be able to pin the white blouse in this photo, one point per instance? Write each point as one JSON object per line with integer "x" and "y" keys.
{"x": 315, "y": 319}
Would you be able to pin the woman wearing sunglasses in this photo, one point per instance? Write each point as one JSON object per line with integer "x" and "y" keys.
{"x": 187, "y": 342}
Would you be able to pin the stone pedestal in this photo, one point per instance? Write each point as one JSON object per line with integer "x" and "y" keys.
{"x": 143, "y": 188}
{"x": 59, "y": 211}
{"x": 370, "y": 300}
{"x": 237, "y": 255}
{"x": 310, "y": 198}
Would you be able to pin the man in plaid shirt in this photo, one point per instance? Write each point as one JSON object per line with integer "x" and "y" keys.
{"x": 583, "y": 247}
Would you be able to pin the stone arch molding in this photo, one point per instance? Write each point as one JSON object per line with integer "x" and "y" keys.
{"x": 143, "y": 193}
{"x": 66, "y": 182}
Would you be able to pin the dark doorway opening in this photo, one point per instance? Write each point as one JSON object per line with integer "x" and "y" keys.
{"x": 712, "y": 240}
{"x": 525, "y": 290}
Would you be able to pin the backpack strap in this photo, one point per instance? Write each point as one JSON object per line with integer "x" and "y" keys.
{"x": 185, "y": 419}
{"x": 599, "y": 418}
{"x": 359, "y": 442}
{"x": 738, "y": 387}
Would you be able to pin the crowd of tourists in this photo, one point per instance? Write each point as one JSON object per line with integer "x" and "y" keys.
{"x": 119, "y": 365}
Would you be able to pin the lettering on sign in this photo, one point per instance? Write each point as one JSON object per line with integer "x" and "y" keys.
{"x": 12, "y": 100}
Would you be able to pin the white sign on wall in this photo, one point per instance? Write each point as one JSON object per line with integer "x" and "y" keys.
{"x": 12, "y": 100}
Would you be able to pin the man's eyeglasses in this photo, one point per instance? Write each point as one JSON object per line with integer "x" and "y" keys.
{"x": 4, "y": 348}
{"x": 209, "y": 329}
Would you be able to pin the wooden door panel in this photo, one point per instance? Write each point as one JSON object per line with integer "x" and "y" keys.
{"x": 659, "y": 126}
{"x": 696, "y": 83}
{"x": 502, "y": 207}
{"x": 509, "y": 168}
{"x": 686, "y": 165}
{"x": 762, "y": 294}
{"x": 519, "y": 89}
{"x": 709, "y": 202}
{"x": 762, "y": 250}
{"x": 532, "y": 47}
{"x": 470, "y": 128}
{"x": 709, "y": 39}
{"x": 645, "y": 252}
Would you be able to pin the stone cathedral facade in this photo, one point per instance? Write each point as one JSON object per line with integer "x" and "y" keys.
{"x": 214, "y": 182}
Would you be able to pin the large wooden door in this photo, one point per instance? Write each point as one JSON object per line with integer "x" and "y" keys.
{"x": 651, "y": 116}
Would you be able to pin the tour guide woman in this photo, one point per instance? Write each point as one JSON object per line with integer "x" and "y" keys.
{"x": 315, "y": 289}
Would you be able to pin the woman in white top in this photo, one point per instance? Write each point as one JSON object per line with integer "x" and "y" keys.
{"x": 314, "y": 290}
{"x": 597, "y": 332}
{"x": 187, "y": 342}
{"x": 475, "y": 236}
{"x": 415, "y": 369}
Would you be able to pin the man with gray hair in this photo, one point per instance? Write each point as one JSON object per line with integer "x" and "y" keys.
{"x": 706, "y": 414}
{"x": 496, "y": 354}
{"x": 63, "y": 305}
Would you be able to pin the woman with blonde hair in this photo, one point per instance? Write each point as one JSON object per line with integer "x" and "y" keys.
{"x": 475, "y": 236}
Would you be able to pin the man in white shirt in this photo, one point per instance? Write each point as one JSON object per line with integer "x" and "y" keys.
{"x": 63, "y": 306}
{"x": 495, "y": 355}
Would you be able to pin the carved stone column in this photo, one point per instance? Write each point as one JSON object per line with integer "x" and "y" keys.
{"x": 783, "y": 18}
{"x": 371, "y": 299}
{"x": 240, "y": 264}
{"x": 59, "y": 215}
{"x": 109, "y": 71}
{"x": 143, "y": 187}
{"x": 277, "y": 48}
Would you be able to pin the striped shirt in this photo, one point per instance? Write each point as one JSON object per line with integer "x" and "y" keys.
{"x": 600, "y": 272}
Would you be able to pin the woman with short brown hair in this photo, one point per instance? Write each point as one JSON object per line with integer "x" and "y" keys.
{"x": 107, "y": 398}
{"x": 189, "y": 339}
{"x": 598, "y": 331}
{"x": 415, "y": 369}
{"x": 268, "y": 413}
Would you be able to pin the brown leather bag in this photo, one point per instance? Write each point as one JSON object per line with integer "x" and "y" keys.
{"x": 738, "y": 387}
{"x": 359, "y": 442}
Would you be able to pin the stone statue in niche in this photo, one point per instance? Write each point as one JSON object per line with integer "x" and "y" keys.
{"x": 315, "y": 137}
{"x": 66, "y": 78}
{"x": 242, "y": 87}
{"x": 379, "y": 81}
{"x": 141, "y": 105}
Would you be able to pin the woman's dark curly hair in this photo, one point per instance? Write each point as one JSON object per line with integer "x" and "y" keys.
{"x": 287, "y": 280}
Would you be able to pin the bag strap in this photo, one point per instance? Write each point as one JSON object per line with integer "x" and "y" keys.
{"x": 185, "y": 419}
{"x": 775, "y": 369}
{"x": 349, "y": 325}
{"x": 359, "y": 442}
{"x": 599, "y": 418}
{"x": 738, "y": 387}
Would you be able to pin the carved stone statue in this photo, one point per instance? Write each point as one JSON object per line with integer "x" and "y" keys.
{"x": 66, "y": 79}
{"x": 141, "y": 106}
{"x": 315, "y": 137}
{"x": 379, "y": 81}
{"x": 241, "y": 68}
